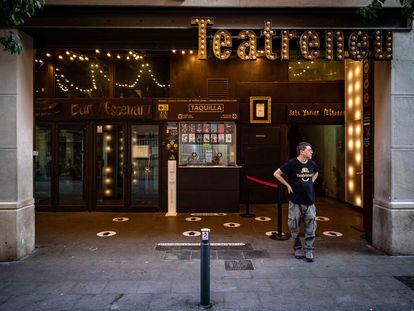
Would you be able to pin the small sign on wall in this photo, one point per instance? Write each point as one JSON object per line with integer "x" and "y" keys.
{"x": 260, "y": 109}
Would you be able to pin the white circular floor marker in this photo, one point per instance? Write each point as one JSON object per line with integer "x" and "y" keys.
{"x": 270, "y": 233}
{"x": 231, "y": 224}
{"x": 193, "y": 219}
{"x": 120, "y": 219}
{"x": 322, "y": 218}
{"x": 263, "y": 218}
{"x": 332, "y": 233}
{"x": 191, "y": 233}
{"x": 105, "y": 234}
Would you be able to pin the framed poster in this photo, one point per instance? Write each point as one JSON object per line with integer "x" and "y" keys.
{"x": 260, "y": 109}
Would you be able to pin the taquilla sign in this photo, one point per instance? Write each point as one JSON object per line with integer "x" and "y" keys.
{"x": 275, "y": 44}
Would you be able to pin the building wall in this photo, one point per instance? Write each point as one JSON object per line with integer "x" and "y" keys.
{"x": 393, "y": 211}
{"x": 16, "y": 147}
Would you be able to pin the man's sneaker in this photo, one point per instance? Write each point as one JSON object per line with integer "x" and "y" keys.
{"x": 309, "y": 256}
{"x": 299, "y": 254}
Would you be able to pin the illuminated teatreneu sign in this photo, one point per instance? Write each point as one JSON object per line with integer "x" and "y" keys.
{"x": 358, "y": 44}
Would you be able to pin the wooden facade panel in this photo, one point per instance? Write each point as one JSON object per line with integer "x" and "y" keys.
{"x": 189, "y": 76}
{"x": 293, "y": 92}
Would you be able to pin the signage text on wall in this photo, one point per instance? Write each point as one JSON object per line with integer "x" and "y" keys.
{"x": 311, "y": 44}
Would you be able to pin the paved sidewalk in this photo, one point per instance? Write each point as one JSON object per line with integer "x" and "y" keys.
{"x": 73, "y": 269}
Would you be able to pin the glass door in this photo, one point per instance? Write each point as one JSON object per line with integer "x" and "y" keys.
{"x": 144, "y": 158}
{"x": 71, "y": 164}
{"x": 110, "y": 153}
{"x": 42, "y": 164}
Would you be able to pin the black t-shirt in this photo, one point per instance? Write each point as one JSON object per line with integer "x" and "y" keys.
{"x": 300, "y": 179}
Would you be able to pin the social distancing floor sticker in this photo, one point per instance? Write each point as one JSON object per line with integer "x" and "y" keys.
{"x": 332, "y": 233}
{"x": 322, "y": 218}
{"x": 191, "y": 233}
{"x": 120, "y": 219}
{"x": 263, "y": 218}
{"x": 105, "y": 234}
{"x": 193, "y": 219}
{"x": 231, "y": 224}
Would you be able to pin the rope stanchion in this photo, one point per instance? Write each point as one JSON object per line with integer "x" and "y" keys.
{"x": 247, "y": 213}
{"x": 280, "y": 236}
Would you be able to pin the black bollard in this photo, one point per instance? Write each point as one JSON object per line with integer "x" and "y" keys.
{"x": 280, "y": 236}
{"x": 247, "y": 214}
{"x": 205, "y": 270}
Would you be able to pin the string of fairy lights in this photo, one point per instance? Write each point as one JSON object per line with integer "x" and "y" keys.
{"x": 301, "y": 70}
{"x": 65, "y": 84}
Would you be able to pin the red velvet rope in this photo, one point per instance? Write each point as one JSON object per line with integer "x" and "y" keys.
{"x": 262, "y": 182}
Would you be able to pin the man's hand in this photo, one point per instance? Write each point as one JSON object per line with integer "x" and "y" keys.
{"x": 279, "y": 177}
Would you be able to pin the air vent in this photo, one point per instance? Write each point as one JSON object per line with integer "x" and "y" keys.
{"x": 217, "y": 88}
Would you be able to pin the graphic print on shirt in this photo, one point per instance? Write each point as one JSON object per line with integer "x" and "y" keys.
{"x": 304, "y": 174}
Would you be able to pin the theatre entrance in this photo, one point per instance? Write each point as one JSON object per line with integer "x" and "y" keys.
{"x": 96, "y": 166}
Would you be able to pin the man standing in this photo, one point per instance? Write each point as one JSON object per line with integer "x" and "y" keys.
{"x": 302, "y": 173}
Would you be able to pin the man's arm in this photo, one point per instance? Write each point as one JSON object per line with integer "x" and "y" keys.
{"x": 314, "y": 177}
{"x": 279, "y": 177}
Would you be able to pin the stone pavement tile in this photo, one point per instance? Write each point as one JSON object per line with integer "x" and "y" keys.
{"x": 132, "y": 302}
{"x": 348, "y": 298}
{"x": 229, "y": 255}
{"x": 19, "y": 288}
{"x": 388, "y": 297}
{"x": 299, "y": 272}
{"x": 3, "y": 283}
{"x": 385, "y": 282}
{"x": 23, "y": 302}
{"x": 224, "y": 285}
{"x": 172, "y": 302}
{"x": 286, "y": 284}
{"x": 154, "y": 287}
{"x": 262, "y": 285}
{"x": 256, "y": 254}
{"x": 240, "y": 300}
{"x": 353, "y": 283}
{"x": 262, "y": 273}
{"x": 393, "y": 307}
{"x": 55, "y": 288}
{"x": 177, "y": 255}
{"x": 121, "y": 287}
{"x": 320, "y": 285}
{"x": 57, "y": 302}
{"x": 88, "y": 287}
{"x": 185, "y": 287}
{"x": 97, "y": 302}
{"x": 196, "y": 255}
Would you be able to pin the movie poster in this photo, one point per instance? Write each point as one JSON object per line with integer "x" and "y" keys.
{"x": 199, "y": 138}
{"x": 228, "y": 138}
{"x": 191, "y": 128}
{"x": 213, "y": 127}
{"x": 184, "y": 127}
{"x": 221, "y": 128}
{"x": 184, "y": 138}
{"x": 229, "y": 128}
{"x": 213, "y": 138}
{"x": 221, "y": 138}
{"x": 206, "y": 138}
{"x": 206, "y": 128}
{"x": 191, "y": 138}
{"x": 199, "y": 127}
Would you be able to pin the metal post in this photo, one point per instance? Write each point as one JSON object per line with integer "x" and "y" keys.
{"x": 205, "y": 270}
{"x": 280, "y": 235}
{"x": 247, "y": 214}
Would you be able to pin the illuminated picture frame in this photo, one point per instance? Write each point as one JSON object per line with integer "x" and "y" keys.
{"x": 260, "y": 109}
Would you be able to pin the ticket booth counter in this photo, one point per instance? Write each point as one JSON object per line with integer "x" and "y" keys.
{"x": 208, "y": 177}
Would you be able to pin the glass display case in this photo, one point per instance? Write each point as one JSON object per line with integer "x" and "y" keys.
{"x": 207, "y": 144}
